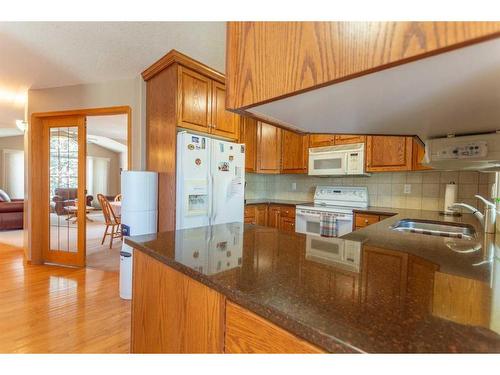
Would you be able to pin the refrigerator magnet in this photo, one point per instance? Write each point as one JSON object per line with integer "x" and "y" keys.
{"x": 190, "y": 147}
{"x": 197, "y": 161}
{"x": 224, "y": 166}
{"x": 231, "y": 157}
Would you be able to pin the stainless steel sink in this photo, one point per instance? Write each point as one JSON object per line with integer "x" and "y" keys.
{"x": 436, "y": 228}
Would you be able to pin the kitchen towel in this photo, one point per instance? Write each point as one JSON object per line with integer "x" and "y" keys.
{"x": 450, "y": 197}
{"x": 328, "y": 225}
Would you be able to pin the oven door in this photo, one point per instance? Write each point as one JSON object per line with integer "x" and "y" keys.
{"x": 325, "y": 162}
{"x": 327, "y": 249}
{"x": 307, "y": 222}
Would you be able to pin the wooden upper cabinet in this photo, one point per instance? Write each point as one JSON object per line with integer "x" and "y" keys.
{"x": 224, "y": 123}
{"x": 345, "y": 139}
{"x": 388, "y": 153}
{"x": 321, "y": 140}
{"x": 418, "y": 156}
{"x": 248, "y": 136}
{"x": 294, "y": 152}
{"x": 258, "y": 54}
{"x": 268, "y": 148}
{"x": 194, "y": 97}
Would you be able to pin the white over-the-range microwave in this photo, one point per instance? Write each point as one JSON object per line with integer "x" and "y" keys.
{"x": 337, "y": 160}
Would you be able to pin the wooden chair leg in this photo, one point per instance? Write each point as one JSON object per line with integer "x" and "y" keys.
{"x": 105, "y": 233}
{"x": 112, "y": 236}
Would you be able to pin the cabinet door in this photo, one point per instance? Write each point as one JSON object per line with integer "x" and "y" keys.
{"x": 294, "y": 152}
{"x": 249, "y": 138}
{"x": 224, "y": 123}
{"x": 268, "y": 148}
{"x": 194, "y": 100}
{"x": 287, "y": 224}
{"x": 348, "y": 139}
{"x": 250, "y": 214}
{"x": 321, "y": 140}
{"x": 418, "y": 156}
{"x": 388, "y": 153}
{"x": 384, "y": 278}
{"x": 261, "y": 214}
{"x": 273, "y": 217}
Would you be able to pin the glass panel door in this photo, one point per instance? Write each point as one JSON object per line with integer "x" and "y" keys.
{"x": 65, "y": 186}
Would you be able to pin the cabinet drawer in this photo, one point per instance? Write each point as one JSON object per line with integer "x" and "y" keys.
{"x": 288, "y": 211}
{"x": 287, "y": 224}
{"x": 363, "y": 220}
{"x": 250, "y": 211}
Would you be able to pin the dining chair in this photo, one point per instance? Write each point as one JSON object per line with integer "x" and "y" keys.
{"x": 111, "y": 220}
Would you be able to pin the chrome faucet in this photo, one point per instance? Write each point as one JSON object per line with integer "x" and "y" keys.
{"x": 487, "y": 219}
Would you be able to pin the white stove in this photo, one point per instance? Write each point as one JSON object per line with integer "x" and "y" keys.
{"x": 339, "y": 201}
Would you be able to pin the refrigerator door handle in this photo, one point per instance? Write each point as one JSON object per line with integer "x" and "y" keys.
{"x": 214, "y": 201}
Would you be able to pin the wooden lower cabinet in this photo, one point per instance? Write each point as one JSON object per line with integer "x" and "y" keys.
{"x": 287, "y": 224}
{"x": 256, "y": 214}
{"x": 273, "y": 216}
{"x": 362, "y": 220}
{"x": 172, "y": 313}
{"x": 247, "y": 332}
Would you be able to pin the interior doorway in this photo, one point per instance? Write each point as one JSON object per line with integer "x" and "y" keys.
{"x": 80, "y": 184}
{"x": 107, "y": 157}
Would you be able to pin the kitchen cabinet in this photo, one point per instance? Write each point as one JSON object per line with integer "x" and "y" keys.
{"x": 224, "y": 123}
{"x": 384, "y": 278}
{"x": 247, "y": 332}
{"x": 268, "y": 148}
{"x": 294, "y": 152}
{"x": 287, "y": 224}
{"x": 256, "y": 214}
{"x": 388, "y": 153}
{"x": 172, "y": 313}
{"x": 362, "y": 220}
{"x": 321, "y": 140}
{"x": 202, "y": 105}
{"x": 273, "y": 217}
{"x": 248, "y": 136}
{"x": 418, "y": 156}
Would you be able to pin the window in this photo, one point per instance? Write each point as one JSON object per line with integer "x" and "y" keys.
{"x": 63, "y": 158}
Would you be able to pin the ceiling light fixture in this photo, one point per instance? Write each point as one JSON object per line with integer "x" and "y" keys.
{"x": 17, "y": 98}
{"x": 21, "y": 125}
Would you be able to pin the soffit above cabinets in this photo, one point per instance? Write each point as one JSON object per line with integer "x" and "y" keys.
{"x": 454, "y": 92}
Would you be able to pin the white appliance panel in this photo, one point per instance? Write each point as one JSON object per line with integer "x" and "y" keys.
{"x": 228, "y": 181}
{"x": 193, "y": 201}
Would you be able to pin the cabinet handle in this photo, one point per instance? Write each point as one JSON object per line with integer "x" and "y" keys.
{"x": 366, "y": 221}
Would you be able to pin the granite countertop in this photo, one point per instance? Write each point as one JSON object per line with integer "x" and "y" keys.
{"x": 275, "y": 201}
{"x": 382, "y": 292}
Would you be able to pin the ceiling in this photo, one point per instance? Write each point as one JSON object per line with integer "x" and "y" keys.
{"x": 53, "y": 54}
{"x": 455, "y": 92}
{"x": 108, "y": 131}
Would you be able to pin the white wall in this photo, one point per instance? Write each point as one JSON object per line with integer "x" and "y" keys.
{"x": 129, "y": 92}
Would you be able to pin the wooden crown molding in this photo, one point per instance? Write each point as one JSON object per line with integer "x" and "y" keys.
{"x": 176, "y": 57}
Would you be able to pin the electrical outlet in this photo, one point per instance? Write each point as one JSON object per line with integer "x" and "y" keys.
{"x": 407, "y": 189}
{"x": 294, "y": 186}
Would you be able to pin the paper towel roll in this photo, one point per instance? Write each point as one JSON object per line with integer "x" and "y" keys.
{"x": 450, "y": 196}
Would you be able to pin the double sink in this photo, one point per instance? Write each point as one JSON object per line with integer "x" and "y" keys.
{"x": 436, "y": 228}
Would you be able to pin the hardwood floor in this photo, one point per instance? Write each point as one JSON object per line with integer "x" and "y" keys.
{"x": 49, "y": 309}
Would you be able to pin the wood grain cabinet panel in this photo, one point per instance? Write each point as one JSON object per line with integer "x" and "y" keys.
{"x": 363, "y": 220}
{"x": 247, "y": 332}
{"x": 261, "y": 214}
{"x": 287, "y": 224}
{"x": 271, "y": 60}
{"x": 224, "y": 123}
{"x": 321, "y": 140}
{"x": 177, "y": 315}
{"x": 268, "y": 148}
{"x": 384, "y": 277}
{"x": 195, "y": 100}
{"x": 248, "y": 136}
{"x": 294, "y": 152}
{"x": 273, "y": 217}
{"x": 345, "y": 139}
{"x": 418, "y": 156}
{"x": 388, "y": 153}
{"x": 250, "y": 214}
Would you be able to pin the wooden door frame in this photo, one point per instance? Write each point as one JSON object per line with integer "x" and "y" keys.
{"x": 33, "y": 212}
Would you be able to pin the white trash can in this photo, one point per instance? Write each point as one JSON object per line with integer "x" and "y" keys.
{"x": 126, "y": 272}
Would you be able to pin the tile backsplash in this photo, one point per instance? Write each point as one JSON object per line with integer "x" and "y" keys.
{"x": 385, "y": 189}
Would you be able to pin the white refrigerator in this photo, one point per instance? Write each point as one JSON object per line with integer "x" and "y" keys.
{"x": 210, "y": 181}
